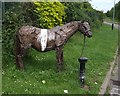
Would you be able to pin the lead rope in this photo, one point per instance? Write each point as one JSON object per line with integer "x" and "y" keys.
{"x": 83, "y": 46}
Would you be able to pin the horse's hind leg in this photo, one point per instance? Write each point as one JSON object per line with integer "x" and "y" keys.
{"x": 19, "y": 59}
{"x": 19, "y": 53}
{"x": 59, "y": 57}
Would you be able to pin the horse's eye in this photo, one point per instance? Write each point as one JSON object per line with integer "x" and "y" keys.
{"x": 84, "y": 27}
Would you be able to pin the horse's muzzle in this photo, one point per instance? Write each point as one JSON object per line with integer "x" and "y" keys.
{"x": 89, "y": 34}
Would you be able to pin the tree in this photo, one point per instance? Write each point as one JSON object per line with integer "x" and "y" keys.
{"x": 83, "y": 11}
{"x": 117, "y": 12}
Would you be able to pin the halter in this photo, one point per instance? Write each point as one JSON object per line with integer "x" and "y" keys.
{"x": 87, "y": 31}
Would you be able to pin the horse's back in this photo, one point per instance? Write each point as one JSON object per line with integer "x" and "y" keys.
{"x": 27, "y": 34}
{"x": 27, "y": 30}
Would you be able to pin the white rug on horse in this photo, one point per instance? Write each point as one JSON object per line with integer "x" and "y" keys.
{"x": 42, "y": 38}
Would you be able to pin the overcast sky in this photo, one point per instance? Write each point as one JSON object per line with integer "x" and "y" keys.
{"x": 103, "y": 5}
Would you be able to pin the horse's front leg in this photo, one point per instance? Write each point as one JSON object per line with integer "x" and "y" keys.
{"x": 59, "y": 57}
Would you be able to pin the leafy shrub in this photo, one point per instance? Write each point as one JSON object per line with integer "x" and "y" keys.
{"x": 117, "y": 12}
{"x": 50, "y": 14}
{"x": 13, "y": 20}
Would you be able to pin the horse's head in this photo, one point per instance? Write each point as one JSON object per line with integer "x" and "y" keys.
{"x": 84, "y": 27}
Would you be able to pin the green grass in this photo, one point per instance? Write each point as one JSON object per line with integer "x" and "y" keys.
{"x": 0, "y": 59}
{"x": 0, "y": 68}
{"x": 108, "y": 19}
{"x": 100, "y": 50}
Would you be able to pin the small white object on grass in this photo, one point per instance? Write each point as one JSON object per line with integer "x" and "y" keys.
{"x": 65, "y": 91}
{"x": 43, "y": 81}
{"x": 96, "y": 83}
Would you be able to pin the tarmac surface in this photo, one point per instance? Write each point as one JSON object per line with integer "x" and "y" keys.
{"x": 115, "y": 79}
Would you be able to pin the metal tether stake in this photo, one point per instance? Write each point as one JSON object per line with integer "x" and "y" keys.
{"x": 82, "y": 61}
{"x": 83, "y": 46}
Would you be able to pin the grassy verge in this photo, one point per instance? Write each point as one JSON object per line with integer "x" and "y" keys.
{"x": 0, "y": 60}
{"x": 107, "y": 19}
{"x": 99, "y": 49}
{"x": 0, "y": 68}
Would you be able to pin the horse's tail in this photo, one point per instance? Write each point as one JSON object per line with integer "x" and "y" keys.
{"x": 17, "y": 47}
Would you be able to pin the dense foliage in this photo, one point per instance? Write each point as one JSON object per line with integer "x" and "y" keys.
{"x": 117, "y": 12}
{"x": 12, "y": 20}
{"x": 50, "y": 14}
{"x": 83, "y": 11}
{"x": 44, "y": 15}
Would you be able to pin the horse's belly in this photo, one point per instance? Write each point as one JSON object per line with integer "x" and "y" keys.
{"x": 50, "y": 45}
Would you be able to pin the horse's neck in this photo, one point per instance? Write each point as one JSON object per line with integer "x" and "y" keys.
{"x": 70, "y": 28}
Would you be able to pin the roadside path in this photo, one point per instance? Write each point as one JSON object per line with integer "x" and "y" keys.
{"x": 115, "y": 78}
{"x": 115, "y": 25}
{"x": 114, "y": 84}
